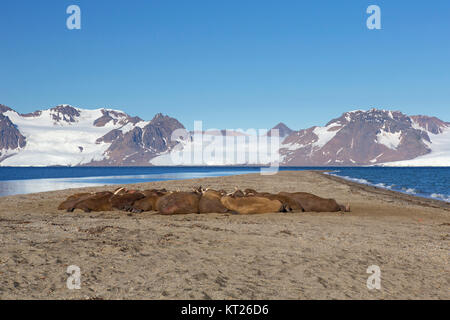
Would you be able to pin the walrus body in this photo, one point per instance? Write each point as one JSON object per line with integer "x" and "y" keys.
{"x": 146, "y": 204}
{"x": 178, "y": 203}
{"x": 251, "y": 205}
{"x": 121, "y": 199}
{"x": 125, "y": 201}
{"x": 149, "y": 202}
{"x": 97, "y": 202}
{"x": 70, "y": 202}
{"x": 210, "y": 202}
{"x": 313, "y": 203}
{"x": 289, "y": 204}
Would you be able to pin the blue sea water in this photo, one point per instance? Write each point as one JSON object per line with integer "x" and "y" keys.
{"x": 425, "y": 182}
{"x": 428, "y": 182}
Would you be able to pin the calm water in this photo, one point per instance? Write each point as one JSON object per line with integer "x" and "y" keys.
{"x": 429, "y": 182}
{"x": 426, "y": 182}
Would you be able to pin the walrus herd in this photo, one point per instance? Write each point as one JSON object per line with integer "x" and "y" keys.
{"x": 200, "y": 201}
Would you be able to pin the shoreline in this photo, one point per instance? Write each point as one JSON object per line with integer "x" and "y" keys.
{"x": 419, "y": 199}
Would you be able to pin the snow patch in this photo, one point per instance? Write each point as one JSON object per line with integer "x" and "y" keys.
{"x": 376, "y": 158}
{"x": 439, "y": 156}
{"x": 389, "y": 139}
{"x": 292, "y": 146}
{"x": 324, "y": 135}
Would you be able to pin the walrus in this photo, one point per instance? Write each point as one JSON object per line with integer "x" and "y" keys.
{"x": 178, "y": 203}
{"x": 313, "y": 203}
{"x": 237, "y": 193}
{"x": 289, "y": 203}
{"x": 251, "y": 205}
{"x": 210, "y": 202}
{"x": 96, "y": 202}
{"x": 70, "y": 202}
{"x": 149, "y": 202}
{"x": 125, "y": 201}
{"x": 250, "y": 192}
{"x": 121, "y": 199}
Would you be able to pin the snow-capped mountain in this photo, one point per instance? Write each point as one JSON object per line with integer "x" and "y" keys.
{"x": 69, "y": 136}
{"x": 11, "y": 140}
{"x": 439, "y": 134}
{"x": 136, "y": 143}
{"x": 368, "y": 138}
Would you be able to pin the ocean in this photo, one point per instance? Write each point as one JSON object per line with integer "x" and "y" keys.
{"x": 429, "y": 182}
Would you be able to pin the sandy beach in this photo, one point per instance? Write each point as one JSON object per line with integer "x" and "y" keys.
{"x": 221, "y": 256}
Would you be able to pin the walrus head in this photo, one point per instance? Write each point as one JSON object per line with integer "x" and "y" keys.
{"x": 250, "y": 192}
{"x": 199, "y": 190}
{"x": 237, "y": 193}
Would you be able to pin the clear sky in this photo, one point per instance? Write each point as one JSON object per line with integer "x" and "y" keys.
{"x": 230, "y": 63}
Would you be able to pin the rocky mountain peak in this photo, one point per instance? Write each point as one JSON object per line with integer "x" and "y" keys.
{"x": 159, "y": 115}
{"x": 141, "y": 143}
{"x": 4, "y": 108}
{"x": 160, "y": 118}
{"x": 111, "y": 115}
{"x": 65, "y": 112}
{"x": 357, "y": 137}
{"x": 430, "y": 124}
{"x": 164, "y": 125}
{"x": 370, "y": 116}
{"x": 283, "y": 130}
{"x": 10, "y": 136}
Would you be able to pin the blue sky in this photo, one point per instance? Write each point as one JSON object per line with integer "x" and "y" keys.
{"x": 232, "y": 64}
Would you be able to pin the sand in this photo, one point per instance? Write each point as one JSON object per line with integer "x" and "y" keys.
{"x": 217, "y": 256}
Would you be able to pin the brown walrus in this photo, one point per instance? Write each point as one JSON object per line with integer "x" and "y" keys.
{"x": 125, "y": 201}
{"x": 313, "y": 203}
{"x": 149, "y": 202}
{"x": 178, "y": 203}
{"x": 289, "y": 203}
{"x": 251, "y": 205}
{"x": 70, "y": 202}
{"x": 121, "y": 199}
{"x": 96, "y": 202}
{"x": 210, "y": 202}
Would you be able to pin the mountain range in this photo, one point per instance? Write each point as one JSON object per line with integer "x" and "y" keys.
{"x": 69, "y": 136}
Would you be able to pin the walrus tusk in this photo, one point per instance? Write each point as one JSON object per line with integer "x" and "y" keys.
{"x": 118, "y": 190}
